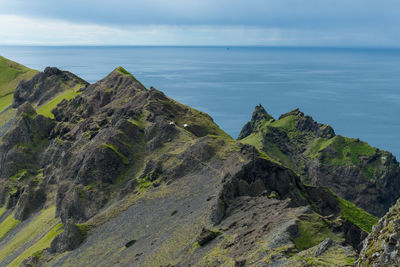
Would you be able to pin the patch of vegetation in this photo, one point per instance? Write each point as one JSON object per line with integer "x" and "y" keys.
{"x": 7, "y": 225}
{"x": 2, "y": 210}
{"x": 287, "y": 123}
{"x": 343, "y": 151}
{"x": 217, "y": 257}
{"x": 11, "y": 74}
{"x": 7, "y": 115}
{"x": 46, "y": 108}
{"x": 6, "y": 101}
{"x": 199, "y": 123}
{"x": 138, "y": 123}
{"x": 334, "y": 256}
{"x": 35, "y": 229}
{"x": 312, "y": 230}
{"x": 254, "y": 139}
{"x": 357, "y": 216}
{"x": 144, "y": 183}
{"x": 36, "y": 249}
{"x": 84, "y": 229}
{"x": 276, "y": 153}
{"x": 125, "y": 72}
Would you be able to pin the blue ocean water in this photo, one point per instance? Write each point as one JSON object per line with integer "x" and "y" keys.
{"x": 356, "y": 90}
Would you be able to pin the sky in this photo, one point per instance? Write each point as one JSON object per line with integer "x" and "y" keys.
{"x": 371, "y": 23}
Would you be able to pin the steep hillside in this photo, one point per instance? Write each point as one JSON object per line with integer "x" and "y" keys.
{"x": 11, "y": 74}
{"x": 123, "y": 175}
{"x": 381, "y": 247}
{"x": 354, "y": 170}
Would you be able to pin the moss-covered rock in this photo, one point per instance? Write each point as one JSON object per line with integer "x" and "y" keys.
{"x": 382, "y": 246}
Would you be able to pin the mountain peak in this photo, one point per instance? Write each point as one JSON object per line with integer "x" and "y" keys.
{"x": 120, "y": 77}
{"x": 122, "y": 71}
{"x": 259, "y": 114}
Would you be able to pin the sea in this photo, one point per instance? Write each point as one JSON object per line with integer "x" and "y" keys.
{"x": 355, "y": 90}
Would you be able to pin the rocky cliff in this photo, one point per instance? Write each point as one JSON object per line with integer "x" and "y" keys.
{"x": 115, "y": 174}
{"x": 381, "y": 247}
{"x": 357, "y": 172}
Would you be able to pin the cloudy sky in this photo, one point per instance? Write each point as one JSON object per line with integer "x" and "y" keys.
{"x": 201, "y": 22}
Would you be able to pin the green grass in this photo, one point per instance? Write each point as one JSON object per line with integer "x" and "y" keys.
{"x": 144, "y": 183}
{"x": 2, "y": 210}
{"x": 6, "y": 116}
{"x": 11, "y": 73}
{"x": 40, "y": 225}
{"x": 312, "y": 230}
{"x": 182, "y": 114}
{"x": 6, "y": 101}
{"x": 318, "y": 146}
{"x": 344, "y": 151}
{"x": 83, "y": 228}
{"x": 46, "y": 108}
{"x": 288, "y": 123}
{"x": 7, "y": 225}
{"x": 357, "y": 216}
{"x": 39, "y": 246}
{"x": 125, "y": 72}
{"x": 254, "y": 139}
{"x": 334, "y": 256}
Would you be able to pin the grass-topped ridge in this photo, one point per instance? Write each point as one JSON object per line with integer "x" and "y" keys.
{"x": 343, "y": 151}
{"x": 125, "y": 72}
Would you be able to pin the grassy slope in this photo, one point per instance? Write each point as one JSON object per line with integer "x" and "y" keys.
{"x": 337, "y": 151}
{"x": 313, "y": 229}
{"x": 39, "y": 246}
{"x": 68, "y": 94}
{"x": 347, "y": 151}
{"x": 40, "y": 231}
{"x": 7, "y": 225}
{"x": 357, "y": 216}
{"x": 11, "y": 73}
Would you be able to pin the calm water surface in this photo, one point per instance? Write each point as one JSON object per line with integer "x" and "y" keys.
{"x": 357, "y": 91}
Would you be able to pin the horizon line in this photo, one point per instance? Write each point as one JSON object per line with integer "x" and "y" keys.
{"x": 204, "y": 46}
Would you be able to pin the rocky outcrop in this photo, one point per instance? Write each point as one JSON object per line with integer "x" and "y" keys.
{"x": 259, "y": 114}
{"x": 69, "y": 239}
{"x": 364, "y": 175}
{"x": 382, "y": 246}
{"x": 45, "y": 85}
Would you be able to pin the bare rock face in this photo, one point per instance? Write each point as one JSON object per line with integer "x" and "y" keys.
{"x": 206, "y": 236}
{"x": 323, "y": 246}
{"x": 382, "y": 245}
{"x": 69, "y": 239}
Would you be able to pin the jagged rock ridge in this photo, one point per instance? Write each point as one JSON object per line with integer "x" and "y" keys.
{"x": 362, "y": 174}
